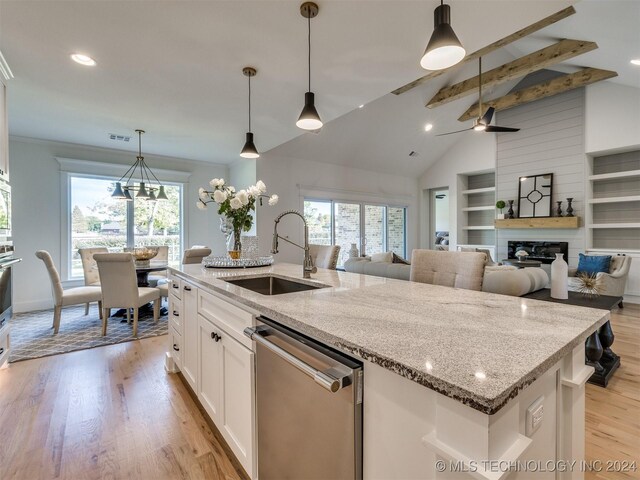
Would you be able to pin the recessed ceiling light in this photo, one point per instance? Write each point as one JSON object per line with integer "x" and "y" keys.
{"x": 83, "y": 60}
{"x": 428, "y": 127}
{"x": 636, "y": 61}
{"x": 360, "y": 106}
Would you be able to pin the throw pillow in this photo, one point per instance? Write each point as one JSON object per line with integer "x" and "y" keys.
{"x": 386, "y": 257}
{"x": 399, "y": 259}
{"x": 592, "y": 264}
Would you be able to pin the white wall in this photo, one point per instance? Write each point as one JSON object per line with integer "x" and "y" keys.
{"x": 242, "y": 173}
{"x": 474, "y": 152}
{"x": 442, "y": 212}
{"x": 37, "y": 212}
{"x": 292, "y": 179}
{"x": 612, "y": 117}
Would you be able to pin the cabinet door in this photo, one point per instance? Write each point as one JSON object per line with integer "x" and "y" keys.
{"x": 210, "y": 358}
{"x": 237, "y": 422}
{"x": 190, "y": 334}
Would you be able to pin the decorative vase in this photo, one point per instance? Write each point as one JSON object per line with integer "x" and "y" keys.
{"x": 569, "y": 207}
{"x": 234, "y": 244}
{"x": 353, "y": 251}
{"x": 510, "y": 212}
{"x": 559, "y": 209}
{"x": 559, "y": 278}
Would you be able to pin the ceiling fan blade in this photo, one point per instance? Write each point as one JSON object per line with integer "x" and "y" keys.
{"x": 488, "y": 115}
{"x": 496, "y": 128}
{"x": 451, "y": 133}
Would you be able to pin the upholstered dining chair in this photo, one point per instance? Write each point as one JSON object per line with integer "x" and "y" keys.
{"x": 195, "y": 255}
{"x": 120, "y": 289}
{"x": 325, "y": 256}
{"x": 90, "y": 269}
{"x": 70, "y": 296}
{"x": 162, "y": 256}
{"x": 449, "y": 269}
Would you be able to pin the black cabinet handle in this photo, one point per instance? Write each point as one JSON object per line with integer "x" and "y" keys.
{"x": 175, "y": 347}
{"x": 215, "y": 336}
{"x": 1, "y": 350}
{"x": 3, "y": 321}
{"x": 174, "y": 285}
{"x": 187, "y": 288}
{"x": 175, "y": 313}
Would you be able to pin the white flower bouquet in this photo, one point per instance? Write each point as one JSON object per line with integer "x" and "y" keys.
{"x": 235, "y": 206}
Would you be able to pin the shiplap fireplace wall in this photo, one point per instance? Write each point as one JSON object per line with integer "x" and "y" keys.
{"x": 551, "y": 140}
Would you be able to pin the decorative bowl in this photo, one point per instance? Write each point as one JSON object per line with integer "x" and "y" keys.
{"x": 143, "y": 255}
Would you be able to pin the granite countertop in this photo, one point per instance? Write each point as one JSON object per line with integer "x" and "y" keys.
{"x": 478, "y": 348}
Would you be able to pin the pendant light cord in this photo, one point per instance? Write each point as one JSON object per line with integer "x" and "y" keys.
{"x": 249, "y": 76}
{"x": 309, "y": 43}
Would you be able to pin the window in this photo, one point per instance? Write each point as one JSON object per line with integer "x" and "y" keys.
{"x": 97, "y": 220}
{"x": 373, "y": 228}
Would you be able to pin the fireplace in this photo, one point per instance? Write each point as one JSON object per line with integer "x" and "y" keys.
{"x": 544, "y": 252}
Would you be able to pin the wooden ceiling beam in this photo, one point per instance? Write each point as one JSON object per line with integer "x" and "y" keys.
{"x": 534, "y": 27}
{"x": 558, "y": 85}
{"x": 543, "y": 58}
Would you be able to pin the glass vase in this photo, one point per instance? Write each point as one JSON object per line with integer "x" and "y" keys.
{"x": 234, "y": 244}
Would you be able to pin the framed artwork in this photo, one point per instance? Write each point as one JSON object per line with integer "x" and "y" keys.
{"x": 534, "y": 196}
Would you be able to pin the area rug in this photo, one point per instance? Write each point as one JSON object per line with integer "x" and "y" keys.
{"x": 32, "y": 335}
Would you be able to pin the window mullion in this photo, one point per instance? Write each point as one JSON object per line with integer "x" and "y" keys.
{"x": 131, "y": 224}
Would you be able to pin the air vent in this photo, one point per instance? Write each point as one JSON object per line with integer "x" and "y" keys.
{"x": 119, "y": 138}
{"x": 413, "y": 153}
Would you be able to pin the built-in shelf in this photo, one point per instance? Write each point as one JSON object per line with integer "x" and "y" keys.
{"x": 546, "y": 222}
{"x": 478, "y": 190}
{"x": 478, "y": 209}
{"x": 478, "y": 227}
{"x": 614, "y": 225}
{"x": 628, "y": 198}
{"x": 615, "y": 175}
{"x": 614, "y": 250}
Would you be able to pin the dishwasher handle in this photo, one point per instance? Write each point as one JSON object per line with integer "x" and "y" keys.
{"x": 321, "y": 378}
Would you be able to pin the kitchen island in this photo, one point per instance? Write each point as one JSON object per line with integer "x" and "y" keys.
{"x": 458, "y": 376}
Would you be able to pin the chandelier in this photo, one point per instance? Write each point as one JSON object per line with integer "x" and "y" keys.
{"x": 145, "y": 188}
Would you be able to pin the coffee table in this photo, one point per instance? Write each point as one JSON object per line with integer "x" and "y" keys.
{"x": 598, "y": 346}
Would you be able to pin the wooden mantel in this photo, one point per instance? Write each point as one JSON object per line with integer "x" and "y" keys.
{"x": 546, "y": 222}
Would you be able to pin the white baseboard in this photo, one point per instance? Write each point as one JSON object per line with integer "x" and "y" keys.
{"x": 32, "y": 306}
{"x": 631, "y": 298}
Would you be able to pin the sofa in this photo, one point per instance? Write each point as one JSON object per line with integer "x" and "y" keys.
{"x": 500, "y": 279}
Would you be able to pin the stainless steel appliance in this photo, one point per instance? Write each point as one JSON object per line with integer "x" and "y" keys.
{"x": 309, "y": 407}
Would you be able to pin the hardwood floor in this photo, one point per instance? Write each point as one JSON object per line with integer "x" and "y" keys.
{"x": 109, "y": 412}
{"x": 613, "y": 414}
{"x": 112, "y": 412}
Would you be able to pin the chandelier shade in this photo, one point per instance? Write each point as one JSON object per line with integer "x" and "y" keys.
{"x": 444, "y": 49}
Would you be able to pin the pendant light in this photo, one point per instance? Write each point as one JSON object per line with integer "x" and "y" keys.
{"x": 309, "y": 118}
{"x": 249, "y": 150}
{"x": 145, "y": 188}
{"x": 444, "y": 49}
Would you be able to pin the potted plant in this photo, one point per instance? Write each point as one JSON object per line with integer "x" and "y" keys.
{"x": 236, "y": 207}
{"x": 500, "y": 204}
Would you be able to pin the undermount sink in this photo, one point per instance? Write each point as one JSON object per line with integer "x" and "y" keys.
{"x": 270, "y": 285}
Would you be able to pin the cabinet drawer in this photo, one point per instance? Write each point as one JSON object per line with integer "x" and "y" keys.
{"x": 4, "y": 345}
{"x": 175, "y": 314}
{"x": 175, "y": 286}
{"x": 175, "y": 345}
{"x": 233, "y": 319}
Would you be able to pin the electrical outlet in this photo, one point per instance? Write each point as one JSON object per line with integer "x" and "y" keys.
{"x": 535, "y": 415}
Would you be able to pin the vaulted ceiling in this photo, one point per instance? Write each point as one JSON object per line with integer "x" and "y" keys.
{"x": 174, "y": 69}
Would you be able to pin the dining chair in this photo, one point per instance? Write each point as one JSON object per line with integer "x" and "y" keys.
{"x": 325, "y": 256}
{"x": 161, "y": 257}
{"x": 447, "y": 268}
{"x": 120, "y": 289}
{"x": 70, "y": 296}
{"x": 90, "y": 269}
{"x": 195, "y": 255}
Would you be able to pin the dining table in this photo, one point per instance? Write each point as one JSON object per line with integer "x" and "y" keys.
{"x": 143, "y": 271}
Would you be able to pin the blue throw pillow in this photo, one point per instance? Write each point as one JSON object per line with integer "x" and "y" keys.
{"x": 592, "y": 264}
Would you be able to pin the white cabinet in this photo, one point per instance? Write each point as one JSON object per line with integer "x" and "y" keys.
{"x": 189, "y": 355}
{"x": 207, "y": 345}
{"x": 210, "y": 358}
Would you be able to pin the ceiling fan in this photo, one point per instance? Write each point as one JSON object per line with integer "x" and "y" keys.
{"x": 482, "y": 124}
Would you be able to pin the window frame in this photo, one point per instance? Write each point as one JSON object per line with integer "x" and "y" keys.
{"x": 363, "y": 204}
{"x": 67, "y": 212}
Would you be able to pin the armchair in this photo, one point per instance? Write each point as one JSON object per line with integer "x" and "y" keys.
{"x": 614, "y": 282}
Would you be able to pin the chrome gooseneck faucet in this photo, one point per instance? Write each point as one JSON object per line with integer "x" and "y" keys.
{"x": 307, "y": 267}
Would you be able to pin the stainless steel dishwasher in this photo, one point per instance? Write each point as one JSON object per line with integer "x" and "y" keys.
{"x": 309, "y": 407}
